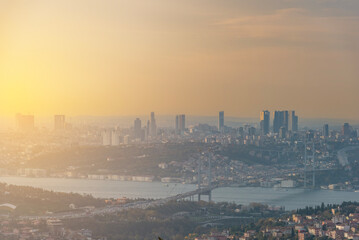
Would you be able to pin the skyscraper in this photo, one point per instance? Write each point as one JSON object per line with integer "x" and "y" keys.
{"x": 278, "y": 120}
{"x": 292, "y": 121}
{"x": 221, "y": 121}
{"x": 180, "y": 123}
{"x": 286, "y": 119}
{"x": 115, "y": 138}
{"x": 326, "y": 130}
{"x": 265, "y": 122}
{"x": 59, "y": 122}
{"x": 153, "y": 126}
{"x": 106, "y": 138}
{"x": 295, "y": 123}
{"x": 147, "y": 132}
{"x": 137, "y": 128}
{"x": 346, "y": 130}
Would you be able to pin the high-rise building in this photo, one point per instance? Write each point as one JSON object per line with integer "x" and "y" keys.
{"x": 153, "y": 125}
{"x": 115, "y": 138}
{"x": 137, "y": 129}
{"x": 292, "y": 121}
{"x": 106, "y": 138}
{"x": 265, "y": 122}
{"x": 221, "y": 121}
{"x": 326, "y": 130}
{"x": 295, "y": 123}
{"x": 147, "y": 133}
{"x": 346, "y": 130}
{"x": 286, "y": 119}
{"x": 180, "y": 123}
{"x": 59, "y": 122}
{"x": 25, "y": 122}
{"x": 278, "y": 120}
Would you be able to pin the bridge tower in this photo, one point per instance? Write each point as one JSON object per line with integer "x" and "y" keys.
{"x": 313, "y": 165}
{"x": 305, "y": 164}
{"x": 200, "y": 184}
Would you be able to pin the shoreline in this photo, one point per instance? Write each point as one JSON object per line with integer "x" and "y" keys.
{"x": 175, "y": 183}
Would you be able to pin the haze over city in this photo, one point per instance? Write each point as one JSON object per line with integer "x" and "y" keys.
{"x": 179, "y": 120}
{"x": 197, "y": 57}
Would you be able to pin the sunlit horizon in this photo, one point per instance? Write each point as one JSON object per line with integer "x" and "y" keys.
{"x": 133, "y": 57}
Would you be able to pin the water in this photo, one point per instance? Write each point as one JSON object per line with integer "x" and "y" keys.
{"x": 102, "y": 188}
{"x": 289, "y": 198}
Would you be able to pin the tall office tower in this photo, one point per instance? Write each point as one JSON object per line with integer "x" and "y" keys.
{"x": 278, "y": 120}
{"x": 25, "y": 122}
{"x": 106, "y": 138}
{"x": 265, "y": 118}
{"x": 346, "y": 130}
{"x": 137, "y": 129}
{"x": 221, "y": 121}
{"x": 147, "y": 133}
{"x": 286, "y": 119}
{"x": 295, "y": 124}
{"x": 153, "y": 127}
{"x": 59, "y": 122}
{"x": 180, "y": 123}
{"x": 292, "y": 121}
{"x": 115, "y": 138}
{"x": 326, "y": 130}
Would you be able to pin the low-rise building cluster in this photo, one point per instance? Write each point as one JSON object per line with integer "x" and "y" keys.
{"x": 51, "y": 229}
{"x": 339, "y": 226}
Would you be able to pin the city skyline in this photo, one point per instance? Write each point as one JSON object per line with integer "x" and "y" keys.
{"x": 168, "y": 119}
{"x": 287, "y": 119}
{"x": 127, "y": 58}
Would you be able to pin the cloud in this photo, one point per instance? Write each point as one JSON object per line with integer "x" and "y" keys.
{"x": 295, "y": 25}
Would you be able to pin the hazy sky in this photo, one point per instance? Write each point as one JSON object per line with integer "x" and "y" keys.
{"x": 128, "y": 57}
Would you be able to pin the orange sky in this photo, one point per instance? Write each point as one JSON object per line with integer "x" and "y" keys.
{"x": 195, "y": 57}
